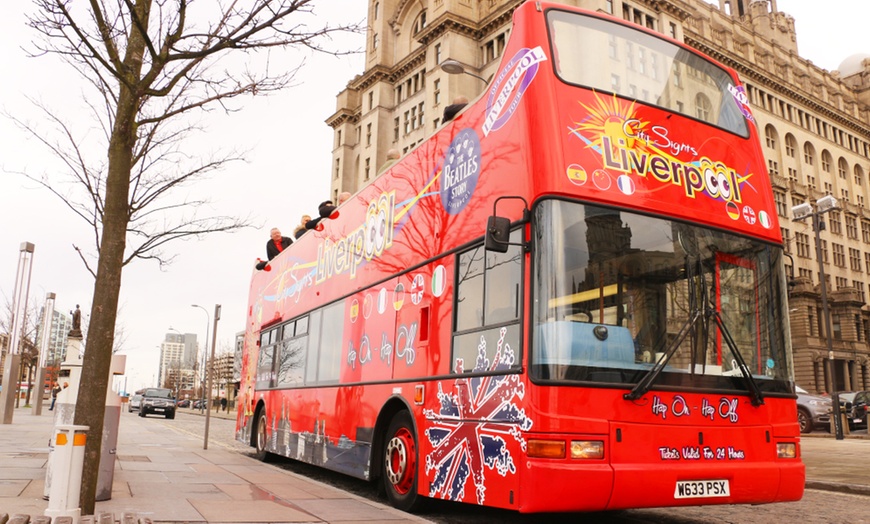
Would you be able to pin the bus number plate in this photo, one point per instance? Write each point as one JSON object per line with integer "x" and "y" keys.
{"x": 693, "y": 489}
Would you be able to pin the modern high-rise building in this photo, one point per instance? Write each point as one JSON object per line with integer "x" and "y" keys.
{"x": 60, "y": 326}
{"x": 815, "y": 125}
{"x": 178, "y": 362}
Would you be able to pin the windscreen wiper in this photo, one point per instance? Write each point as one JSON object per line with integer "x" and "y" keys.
{"x": 709, "y": 312}
{"x": 642, "y": 387}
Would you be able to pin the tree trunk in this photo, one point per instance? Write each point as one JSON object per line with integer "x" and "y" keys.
{"x": 96, "y": 365}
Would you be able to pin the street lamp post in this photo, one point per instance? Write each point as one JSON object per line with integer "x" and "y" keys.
{"x": 204, "y": 357}
{"x": 801, "y": 212}
{"x": 217, "y": 316}
{"x": 454, "y": 67}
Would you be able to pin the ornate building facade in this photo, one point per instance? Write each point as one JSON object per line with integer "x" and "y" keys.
{"x": 815, "y": 125}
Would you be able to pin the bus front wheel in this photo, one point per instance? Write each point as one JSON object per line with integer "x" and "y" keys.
{"x": 400, "y": 464}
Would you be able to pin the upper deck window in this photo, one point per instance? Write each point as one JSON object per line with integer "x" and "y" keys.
{"x": 587, "y": 52}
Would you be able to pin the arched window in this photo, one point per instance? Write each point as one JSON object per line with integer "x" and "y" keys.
{"x": 842, "y": 168}
{"x": 827, "y": 160}
{"x": 790, "y": 145}
{"x": 703, "y": 107}
{"x": 859, "y": 175}
{"x": 420, "y": 22}
{"x": 770, "y": 137}
{"x": 809, "y": 154}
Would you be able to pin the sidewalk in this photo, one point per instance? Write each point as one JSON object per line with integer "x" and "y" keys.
{"x": 163, "y": 474}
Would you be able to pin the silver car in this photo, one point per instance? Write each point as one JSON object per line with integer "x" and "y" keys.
{"x": 134, "y": 403}
{"x": 813, "y": 411}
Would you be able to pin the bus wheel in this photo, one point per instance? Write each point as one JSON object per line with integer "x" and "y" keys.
{"x": 400, "y": 464}
{"x": 260, "y": 437}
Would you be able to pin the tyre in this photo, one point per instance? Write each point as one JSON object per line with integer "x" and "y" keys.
{"x": 170, "y": 416}
{"x": 400, "y": 464}
{"x": 260, "y": 438}
{"x": 141, "y": 413}
{"x": 804, "y": 421}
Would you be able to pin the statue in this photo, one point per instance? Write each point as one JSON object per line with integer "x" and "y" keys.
{"x": 76, "y": 330}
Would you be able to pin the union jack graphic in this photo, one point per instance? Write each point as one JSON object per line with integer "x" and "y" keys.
{"x": 468, "y": 431}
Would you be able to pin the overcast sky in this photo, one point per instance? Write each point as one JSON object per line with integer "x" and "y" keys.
{"x": 286, "y": 176}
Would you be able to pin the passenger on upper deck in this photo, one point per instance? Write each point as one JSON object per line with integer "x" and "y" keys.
{"x": 450, "y": 111}
{"x": 392, "y": 157}
{"x": 300, "y": 229}
{"x": 275, "y": 245}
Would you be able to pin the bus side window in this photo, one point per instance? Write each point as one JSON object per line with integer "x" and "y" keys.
{"x": 488, "y": 303}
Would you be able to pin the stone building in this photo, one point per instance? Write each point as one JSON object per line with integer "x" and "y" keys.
{"x": 815, "y": 126}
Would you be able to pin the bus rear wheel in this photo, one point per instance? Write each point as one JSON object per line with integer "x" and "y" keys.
{"x": 400, "y": 464}
{"x": 260, "y": 437}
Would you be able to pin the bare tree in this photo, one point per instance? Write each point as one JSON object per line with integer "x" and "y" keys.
{"x": 27, "y": 348}
{"x": 151, "y": 62}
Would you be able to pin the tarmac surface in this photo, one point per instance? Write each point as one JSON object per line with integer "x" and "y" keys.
{"x": 163, "y": 474}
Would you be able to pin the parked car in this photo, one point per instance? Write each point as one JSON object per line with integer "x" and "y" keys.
{"x": 198, "y": 404}
{"x": 183, "y": 403}
{"x": 858, "y": 412}
{"x": 134, "y": 403}
{"x": 158, "y": 401}
{"x": 813, "y": 411}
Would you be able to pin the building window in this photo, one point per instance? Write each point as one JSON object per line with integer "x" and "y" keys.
{"x": 839, "y": 255}
{"x": 826, "y": 162}
{"x": 420, "y": 22}
{"x": 338, "y": 138}
{"x": 811, "y": 321}
{"x": 836, "y": 226}
{"x": 792, "y": 174}
{"x": 806, "y": 273}
{"x": 612, "y": 48}
{"x": 786, "y": 239}
{"x": 368, "y": 134}
{"x": 781, "y": 208}
{"x": 337, "y": 168}
{"x": 672, "y": 30}
{"x": 436, "y": 93}
{"x": 608, "y": 7}
{"x": 809, "y": 154}
{"x": 773, "y": 167}
{"x": 790, "y": 145}
{"x": 824, "y": 245}
{"x": 867, "y": 262}
{"x": 842, "y": 283}
{"x": 368, "y": 168}
{"x": 802, "y": 242}
{"x": 437, "y": 53}
{"x": 770, "y": 137}
{"x": 859, "y": 175}
{"x": 374, "y": 42}
{"x": 703, "y": 107}
{"x": 855, "y": 259}
{"x": 852, "y": 227}
{"x": 376, "y": 10}
{"x": 614, "y": 83}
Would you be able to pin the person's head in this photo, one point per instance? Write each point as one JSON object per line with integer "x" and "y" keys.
{"x": 461, "y": 99}
{"x": 393, "y": 154}
{"x": 344, "y": 197}
{"x": 275, "y": 234}
{"x": 305, "y": 218}
{"x": 66, "y": 384}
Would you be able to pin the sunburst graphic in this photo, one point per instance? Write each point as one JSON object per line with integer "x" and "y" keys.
{"x": 608, "y": 117}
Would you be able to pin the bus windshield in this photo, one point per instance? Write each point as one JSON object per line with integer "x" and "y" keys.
{"x": 640, "y": 66}
{"x": 616, "y": 291}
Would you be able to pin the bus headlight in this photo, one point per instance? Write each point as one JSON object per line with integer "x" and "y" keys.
{"x": 587, "y": 449}
{"x": 786, "y": 450}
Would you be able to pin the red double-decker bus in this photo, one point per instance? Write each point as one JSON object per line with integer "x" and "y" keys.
{"x": 576, "y": 282}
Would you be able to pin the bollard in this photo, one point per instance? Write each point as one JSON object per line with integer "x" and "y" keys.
{"x": 68, "y": 459}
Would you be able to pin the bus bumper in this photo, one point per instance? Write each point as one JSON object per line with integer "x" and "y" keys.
{"x": 562, "y": 486}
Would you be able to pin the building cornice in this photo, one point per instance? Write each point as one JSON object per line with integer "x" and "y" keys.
{"x": 775, "y": 83}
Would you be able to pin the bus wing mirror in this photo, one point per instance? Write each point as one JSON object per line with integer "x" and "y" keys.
{"x": 498, "y": 232}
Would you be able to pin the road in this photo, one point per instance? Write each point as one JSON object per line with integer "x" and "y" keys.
{"x": 816, "y": 506}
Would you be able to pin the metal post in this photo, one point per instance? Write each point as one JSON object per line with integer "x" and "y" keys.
{"x": 204, "y": 356}
{"x": 19, "y": 312}
{"x": 829, "y": 372}
{"x": 47, "y": 315}
{"x": 217, "y": 316}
